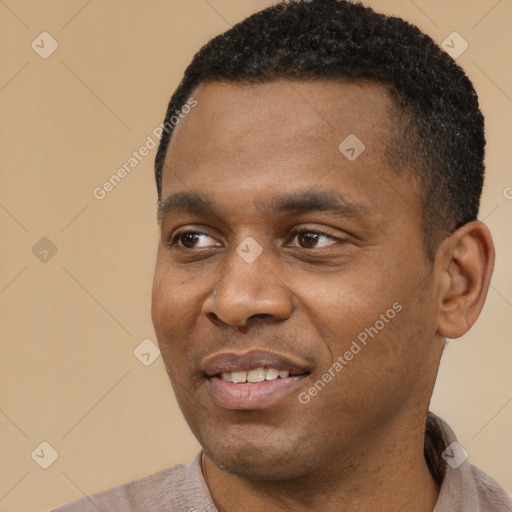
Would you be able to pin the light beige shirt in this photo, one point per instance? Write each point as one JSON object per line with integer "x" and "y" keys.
{"x": 182, "y": 488}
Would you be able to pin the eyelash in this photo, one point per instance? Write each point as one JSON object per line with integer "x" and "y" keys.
{"x": 174, "y": 239}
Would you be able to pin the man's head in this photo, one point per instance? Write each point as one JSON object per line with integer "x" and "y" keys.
{"x": 437, "y": 129}
{"x": 308, "y": 208}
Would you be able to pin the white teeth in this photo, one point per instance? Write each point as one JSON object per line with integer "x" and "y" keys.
{"x": 238, "y": 376}
{"x": 253, "y": 376}
{"x": 257, "y": 375}
{"x": 271, "y": 374}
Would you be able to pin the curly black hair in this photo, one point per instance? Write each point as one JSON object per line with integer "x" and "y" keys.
{"x": 436, "y": 129}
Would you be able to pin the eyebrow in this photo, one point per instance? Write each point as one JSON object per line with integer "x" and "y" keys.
{"x": 331, "y": 203}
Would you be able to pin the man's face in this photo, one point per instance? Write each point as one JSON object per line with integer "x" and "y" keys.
{"x": 264, "y": 167}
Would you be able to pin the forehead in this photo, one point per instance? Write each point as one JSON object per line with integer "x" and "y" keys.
{"x": 240, "y": 119}
{"x": 292, "y": 135}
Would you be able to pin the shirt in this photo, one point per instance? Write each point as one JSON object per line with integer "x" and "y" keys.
{"x": 182, "y": 488}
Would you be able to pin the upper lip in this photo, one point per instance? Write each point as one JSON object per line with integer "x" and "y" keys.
{"x": 226, "y": 362}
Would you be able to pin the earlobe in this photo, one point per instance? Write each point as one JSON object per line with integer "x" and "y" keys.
{"x": 465, "y": 262}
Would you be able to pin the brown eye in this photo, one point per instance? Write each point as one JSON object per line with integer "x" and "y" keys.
{"x": 191, "y": 240}
{"x": 312, "y": 239}
{"x": 308, "y": 240}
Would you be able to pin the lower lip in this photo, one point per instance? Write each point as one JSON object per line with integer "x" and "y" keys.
{"x": 245, "y": 396}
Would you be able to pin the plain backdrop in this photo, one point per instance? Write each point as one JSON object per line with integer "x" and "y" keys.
{"x": 76, "y": 271}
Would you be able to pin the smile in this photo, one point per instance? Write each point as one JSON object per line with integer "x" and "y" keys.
{"x": 257, "y": 395}
{"x": 254, "y": 380}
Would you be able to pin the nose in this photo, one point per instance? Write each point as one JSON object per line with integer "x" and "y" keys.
{"x": 248, "y": 290}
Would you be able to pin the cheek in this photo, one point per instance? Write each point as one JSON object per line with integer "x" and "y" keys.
{"x": 174, "y": 309}
{"x": 162, "y": 306}
{"x": 341, "y": 304}
{"x": 378, "y": 315}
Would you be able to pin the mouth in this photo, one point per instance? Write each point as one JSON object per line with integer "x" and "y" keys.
{"x": 254, "y": 380}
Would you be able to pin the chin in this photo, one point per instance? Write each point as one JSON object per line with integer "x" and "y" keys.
{"x": 283, "y": 459}
{"x": 253, "y": 467}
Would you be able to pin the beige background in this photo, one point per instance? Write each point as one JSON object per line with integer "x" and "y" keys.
{"x": 70, "y": 325}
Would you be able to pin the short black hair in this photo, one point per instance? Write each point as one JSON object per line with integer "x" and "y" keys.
{"x": 437, "y": 129}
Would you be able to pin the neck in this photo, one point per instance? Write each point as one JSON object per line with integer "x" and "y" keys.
{"x": 389, "y": 474}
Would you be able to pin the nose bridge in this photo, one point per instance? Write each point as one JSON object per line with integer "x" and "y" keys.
{"x": 250, "y": 287}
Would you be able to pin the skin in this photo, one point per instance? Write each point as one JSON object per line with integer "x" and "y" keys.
{"x": 359, "y": 441}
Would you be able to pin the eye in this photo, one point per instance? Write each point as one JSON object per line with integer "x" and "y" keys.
{"x": 313, "y": 239}
{"x": 306, "y": 239}
{"x": 191, "y": 240}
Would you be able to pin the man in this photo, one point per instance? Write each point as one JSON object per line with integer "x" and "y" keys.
{"x": 319, "y": 183}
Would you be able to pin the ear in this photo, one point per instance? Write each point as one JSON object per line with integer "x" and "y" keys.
{"x": 465, "y": 261}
